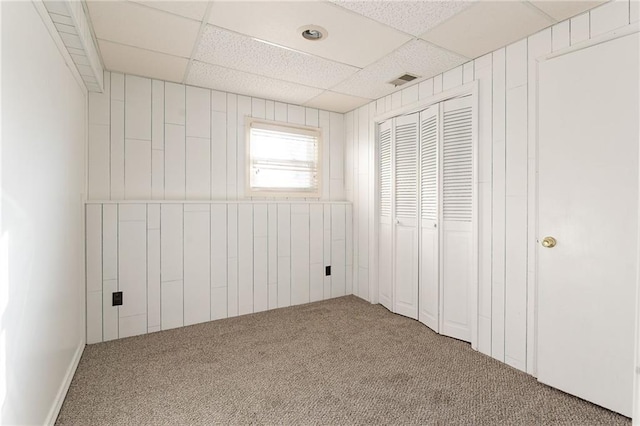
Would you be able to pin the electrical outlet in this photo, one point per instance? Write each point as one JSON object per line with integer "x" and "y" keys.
{"x": 327, "y": 270}
{"x": 117, "y": 298}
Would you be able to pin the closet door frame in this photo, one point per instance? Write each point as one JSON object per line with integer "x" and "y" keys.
{"x": 466, "y": 89}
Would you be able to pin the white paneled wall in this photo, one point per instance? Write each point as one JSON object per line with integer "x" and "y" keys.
{"x": 150, "y": 139}
{"x": 179, "y": 264}
{"x": 184, "y": 263}
{"x": 507, "y": 83}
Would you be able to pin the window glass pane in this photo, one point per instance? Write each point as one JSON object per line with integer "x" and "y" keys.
{"x": 283, "y": 159}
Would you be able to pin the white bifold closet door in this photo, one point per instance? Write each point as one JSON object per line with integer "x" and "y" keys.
{"x": 457, "y": 253}
{"x": 429, "y": 287}
{"x": 405, "y": 300}
{"x": 385, "y": 254}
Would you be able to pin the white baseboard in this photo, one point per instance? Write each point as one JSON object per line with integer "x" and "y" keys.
{"x": 64, "y": 386}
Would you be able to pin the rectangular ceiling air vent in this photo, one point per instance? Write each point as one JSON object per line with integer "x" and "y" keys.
{"x": 404, "y": 78}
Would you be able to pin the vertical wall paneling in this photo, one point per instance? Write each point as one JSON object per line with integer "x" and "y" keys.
{"x": 258, "y": 108}
{"x": 157, "y": 139}
{"x": 99, "y": 143}
{"x": 117, "y": 137}
{"x": 171, "y": 264}
{"x": 273, "y": 255}
{"x": 137, "y": 108}
{"x": 137, "y": 172}
{"x": 316, "y": 253}
{"x": 539, "y": 44}
{"x": 132, "y": 268}
{"x": 325, "y": 126}
{"x": 218, "y": 145}
{"x": 498, "y": 194}
{"x": 295, "y": 114}
{"x": 579, "y": 29}
{"x": 437, "y": 84}
{"x": 349, "y": 250}
{"x": 396, "y": 100}
{"x": 336, "y": 165}
{"x": 452, "y": 78}
{"x": 299, "y": 254}
{"x": 284, "y": 255}
{"x": 371, "y": 207}
{"x": 327, "y": 250}
{"x": 516, "y": 220}
{"x": 174, "y": 168}
{"x": 93, "y": 262}
{"x": 311, "y": 117}
{"x": 410, "y": 95}
{"x": 109, "y": 271}
{"x": 174, "y": 106}
{"x": 560, "y": 36}
{"x": 355, "y": 148}
{"x": 260, "y": 258}
{"x": 232, "y": 132}
{"x": 153, "y": 268}
{"x": 198, "y": 168}
{"x": 197, "y": 281}
{"x": 363, "y": 202}
{"x": 109, "y": 312}
{"x": 110, "y": 242}
{"x": 610, "y": 16}
{"x": 232, "y": 260}
{"x": 244, "y": 111}
{"x": 483, "y": 73}
{"x": 280, "y": 112}
{"x": 198, "y": 143}
{"x": 468, "y": 74}
{"x": 218, "y": 261}
{"x": 245, "y": 259}
{"x": 425, "y": 89}
{"x": 270, "y": 110}
{"x": 338, "y": 248}
{"x": 198, "y": 112}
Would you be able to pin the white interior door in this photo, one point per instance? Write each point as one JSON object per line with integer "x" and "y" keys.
{"x": 457, "y": 253}
{"x": 588, "y": 190}
{"x": 429, "y": 215}
{"x": 385, "y": 241}
{"x": 405, "y": 298}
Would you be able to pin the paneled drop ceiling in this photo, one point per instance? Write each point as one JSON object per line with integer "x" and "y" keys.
{"x": 255, "y": 48}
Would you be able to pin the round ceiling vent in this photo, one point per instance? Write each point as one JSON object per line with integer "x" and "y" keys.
{"x": 313, "y": 32}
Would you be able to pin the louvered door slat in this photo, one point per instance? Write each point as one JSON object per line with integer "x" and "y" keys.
{"x": 406, "y": 155}
{"x": 429, "y": 165}
{"x": 385, "y": 169}
{"x": 457, "y": 164}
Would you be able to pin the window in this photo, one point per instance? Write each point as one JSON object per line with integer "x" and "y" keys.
{"x": 283, "y": 160}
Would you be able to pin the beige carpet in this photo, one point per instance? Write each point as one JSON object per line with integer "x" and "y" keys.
{"x": 341, "y": 361}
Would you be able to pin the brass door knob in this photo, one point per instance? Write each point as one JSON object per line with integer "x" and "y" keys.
{"x": 549, "y": 242}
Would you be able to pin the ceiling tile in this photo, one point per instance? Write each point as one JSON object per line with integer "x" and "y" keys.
{"x": 413, "y": 17}
{"x": 187, "y": 8}
{"x": 561, "y": 10}
{"x": 416, "y": 57}
{"x": 132, "y": 60}
{"x": 338, "y": 102}
{"x": 141, "y": 26}
{"x": 487, "y": 26}
{"x": 232, "y": 50}
{"x": 352, "y": 39}
{"x": 228, "y": 80}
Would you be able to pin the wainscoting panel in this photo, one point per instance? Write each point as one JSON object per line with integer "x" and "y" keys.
{"x": 183, "y": 263}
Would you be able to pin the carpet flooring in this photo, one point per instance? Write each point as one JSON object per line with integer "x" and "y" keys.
{"x": 336, "y": 362}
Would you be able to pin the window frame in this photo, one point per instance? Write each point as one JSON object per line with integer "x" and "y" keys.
{"x": 283, "y": 127}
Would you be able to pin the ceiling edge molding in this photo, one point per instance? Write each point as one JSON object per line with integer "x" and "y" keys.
{"x": 74, "y": 29}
